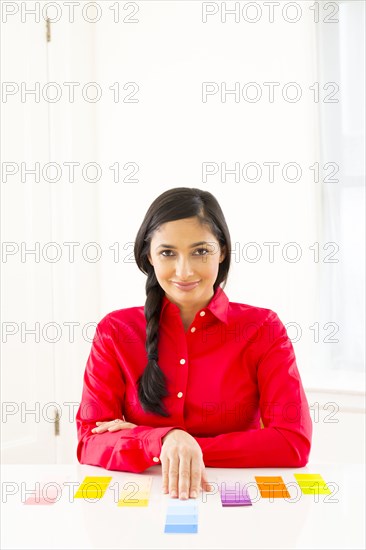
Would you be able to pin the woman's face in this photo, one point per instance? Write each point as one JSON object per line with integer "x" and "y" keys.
{"x": 178, "y": 258}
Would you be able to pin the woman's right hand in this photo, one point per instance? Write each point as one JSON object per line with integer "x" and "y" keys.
{"x": 183, "y": 469}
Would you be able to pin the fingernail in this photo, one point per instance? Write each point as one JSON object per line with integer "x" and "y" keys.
{"x": 194, "y": 494}
{"x": 183, "y": 495}
{"x": 173, "y": 493}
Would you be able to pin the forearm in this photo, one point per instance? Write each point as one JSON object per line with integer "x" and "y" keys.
{"x": 129, "y": 450}
{"x": 262, "y": 448}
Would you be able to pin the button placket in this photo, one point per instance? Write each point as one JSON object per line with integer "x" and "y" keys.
{"x": 202, "y": 314}
{"x": 182, "y": 362}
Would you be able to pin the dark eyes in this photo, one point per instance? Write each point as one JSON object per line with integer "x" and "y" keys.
{"x": 202, "y": 252}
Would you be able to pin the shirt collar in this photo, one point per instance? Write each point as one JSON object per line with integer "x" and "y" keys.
{"x": 218, "y": 305}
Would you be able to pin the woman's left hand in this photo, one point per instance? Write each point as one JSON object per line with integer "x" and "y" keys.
{"x": 113, "y": 426}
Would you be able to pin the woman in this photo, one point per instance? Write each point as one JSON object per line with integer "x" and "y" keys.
{"x": 186, "y": 380}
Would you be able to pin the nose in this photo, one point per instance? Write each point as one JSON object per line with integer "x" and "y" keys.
{"x": 183, "y": 269}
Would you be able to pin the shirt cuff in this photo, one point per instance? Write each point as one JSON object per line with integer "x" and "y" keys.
{"x": 152, "y": 440}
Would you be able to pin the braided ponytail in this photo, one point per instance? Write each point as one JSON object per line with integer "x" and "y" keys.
{"x": 152, "y": 383}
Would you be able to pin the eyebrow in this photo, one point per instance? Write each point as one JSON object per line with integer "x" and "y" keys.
{"x": 171, "y": 246}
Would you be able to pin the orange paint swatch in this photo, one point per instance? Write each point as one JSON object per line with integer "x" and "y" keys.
{"x": 272, "y": 487}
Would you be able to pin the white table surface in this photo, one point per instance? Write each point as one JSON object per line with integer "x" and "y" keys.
{"x": 304, "y": 521}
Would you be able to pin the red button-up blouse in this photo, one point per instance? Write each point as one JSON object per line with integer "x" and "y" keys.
{"x": 234, "y": 366}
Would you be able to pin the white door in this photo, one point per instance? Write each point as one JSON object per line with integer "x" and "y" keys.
{"x": 46, "y": 291}
{"x": 26, "y": 291}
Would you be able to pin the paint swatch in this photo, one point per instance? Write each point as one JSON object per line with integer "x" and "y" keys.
{"x": 272, "y": 487}
{"x": 135, "y": 491}
{"x": 312, "y": 484}
{"x": 44, "y": 494}
{"x": 48, "y": 490}
{"x": 93, "y": 487}
{"x": 182, "y": 517}
{"x": 234, "y": 494}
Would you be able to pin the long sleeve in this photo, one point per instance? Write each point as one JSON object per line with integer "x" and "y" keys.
{"x": 131, "y": 450}
{"x": 285, "y": 439}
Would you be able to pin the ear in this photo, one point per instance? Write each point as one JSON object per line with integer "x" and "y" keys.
{"x": 223, "y": 254}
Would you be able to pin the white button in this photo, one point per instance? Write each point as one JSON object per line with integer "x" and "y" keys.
{"x": 182, "y": 361}
{"x": 179, "y": 394}
{"x": 193, "y": 329}
{"x": 155, "y": 459}
{"x": 202, "y": 313}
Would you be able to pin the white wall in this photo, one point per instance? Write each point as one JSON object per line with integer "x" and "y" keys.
{"x": 169, "y": 133}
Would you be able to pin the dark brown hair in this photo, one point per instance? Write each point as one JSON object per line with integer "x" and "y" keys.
{"x": 175, "y": 204}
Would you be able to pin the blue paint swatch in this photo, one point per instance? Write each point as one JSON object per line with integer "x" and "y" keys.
{"x": 182, "y": 517}
{"x": 181, "y": 528}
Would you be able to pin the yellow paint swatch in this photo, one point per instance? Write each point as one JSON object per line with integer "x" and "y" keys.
{"x": 311, "y": 484}
{"x": 135, "y": 491}
{"x": 93, "y": 487}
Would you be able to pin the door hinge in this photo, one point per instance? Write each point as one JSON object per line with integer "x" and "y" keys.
{"x": 57, "y": 422}
{"x": 48, "y": 29}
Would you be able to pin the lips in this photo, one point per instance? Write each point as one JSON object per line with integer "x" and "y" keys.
{"x": 186, "y": 286}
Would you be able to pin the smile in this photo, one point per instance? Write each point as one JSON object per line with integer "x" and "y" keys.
{"x": 186, "y": 286}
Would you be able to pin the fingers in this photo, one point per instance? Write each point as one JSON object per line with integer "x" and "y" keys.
{"x": 184, "y": 480}
{"x": 196, "y": 470}
{"x": 165, "y": 474}
{"x": 173, "y": 477}
{"x": 183, "y": 477}
{"x": 103, "y": 426}
{"x": 204, "y": 482}
{"x": 115, "y": 427}
{"x": 122, "y": 426}
{"x": 112, "y": 426}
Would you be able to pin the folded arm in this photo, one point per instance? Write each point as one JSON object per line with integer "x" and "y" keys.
{"x": 285, "y": 439}
{"x": 131, "y": 450}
